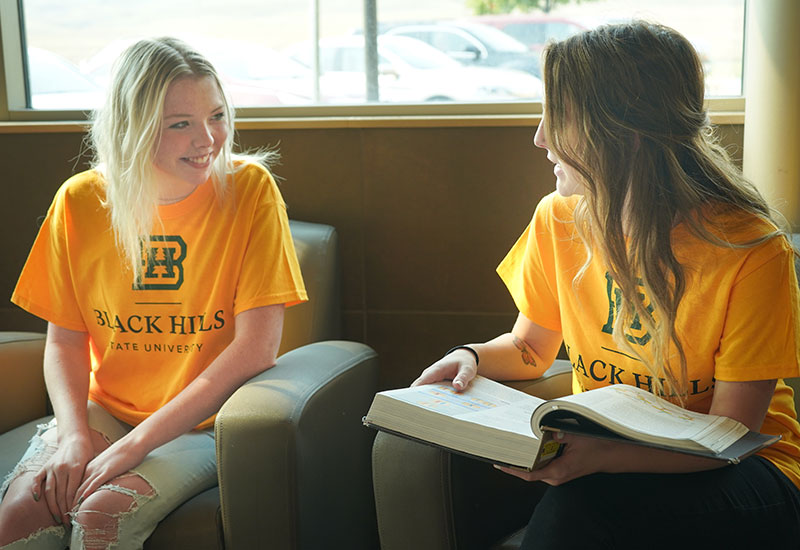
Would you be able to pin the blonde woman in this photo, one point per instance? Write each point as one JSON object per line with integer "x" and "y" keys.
{"x": 163, "y": 273}
{"x": 656, "y": 265}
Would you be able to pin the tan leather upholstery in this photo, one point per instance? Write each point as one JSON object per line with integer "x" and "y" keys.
{"x": 21, "y": 372}
{"x": 293, "y": 458}
{"x": 305, "y": 447}
{"x": 429, "y": 499}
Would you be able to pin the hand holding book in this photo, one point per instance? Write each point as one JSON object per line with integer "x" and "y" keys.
{"x": 499, "y": 424}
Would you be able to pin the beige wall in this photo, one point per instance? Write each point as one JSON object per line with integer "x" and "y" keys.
{"x": 424, "y": 216}
{"x": 772, "y": 114}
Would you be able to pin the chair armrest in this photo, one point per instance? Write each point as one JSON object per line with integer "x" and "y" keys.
{"x": 23, "y": 396}
{"x": 429, "y": 499}
{"x": 555, "y": 382}
{"x": 293, "y": 455}
{"x": 413, "y": 497}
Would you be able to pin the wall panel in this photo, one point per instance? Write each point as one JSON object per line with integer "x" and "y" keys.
{"x": 424, "y": 215}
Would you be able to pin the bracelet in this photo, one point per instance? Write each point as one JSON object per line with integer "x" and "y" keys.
{"x": 469, "y": 349}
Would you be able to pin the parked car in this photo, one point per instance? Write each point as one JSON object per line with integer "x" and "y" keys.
{"x": 473, "y": 44}
{"x": 56, "y": 84}
{"x": 532, "y": 30}
{"x": 409, "y": 71}
{"x": 254, "y": 75}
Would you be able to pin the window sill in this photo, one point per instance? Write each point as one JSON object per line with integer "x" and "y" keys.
{"x": 353, "y": 122}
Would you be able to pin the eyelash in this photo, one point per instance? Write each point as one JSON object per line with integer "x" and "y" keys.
{"x": 184, "y": 124}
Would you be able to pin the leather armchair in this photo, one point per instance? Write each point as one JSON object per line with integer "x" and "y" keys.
{"x": 292, "y": 457}
{"x": 430, "y": 499}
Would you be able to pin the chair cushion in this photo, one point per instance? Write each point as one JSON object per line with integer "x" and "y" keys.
{"x": 196, "y": 524}
{"x": 14, "y": 442}
{"x": 512, "y": 542}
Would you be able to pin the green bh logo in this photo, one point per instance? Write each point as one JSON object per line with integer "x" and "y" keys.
{"x": 614, "y": 295}
{"x": 162, "y": 259}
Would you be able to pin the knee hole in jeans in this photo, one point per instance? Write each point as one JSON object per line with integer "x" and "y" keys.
{"x": 97, "y": 519}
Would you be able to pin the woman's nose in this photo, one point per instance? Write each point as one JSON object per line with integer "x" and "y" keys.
{"x": 204, "y": 137}
{"x": 538, "y": 138}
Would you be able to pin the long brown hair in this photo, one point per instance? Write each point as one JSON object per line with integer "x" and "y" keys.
{"x": 624, "y": 108}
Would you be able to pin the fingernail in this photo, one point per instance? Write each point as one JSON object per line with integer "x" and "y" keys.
{"x": 559, "y": 435}
{"x": 36, "y": 497}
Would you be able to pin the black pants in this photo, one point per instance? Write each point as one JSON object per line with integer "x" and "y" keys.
{"x": 750, "y": 505}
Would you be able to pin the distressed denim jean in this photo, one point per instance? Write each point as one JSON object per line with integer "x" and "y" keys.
{"x": 176, "y": 471}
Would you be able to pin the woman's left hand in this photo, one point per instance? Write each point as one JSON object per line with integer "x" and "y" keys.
{"x": 589, "y": 455}
{"x": 580, "y": 456}
{"x": 116, "y": 460}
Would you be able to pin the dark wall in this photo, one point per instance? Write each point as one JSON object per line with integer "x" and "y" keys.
{"x": 424, "y": 215}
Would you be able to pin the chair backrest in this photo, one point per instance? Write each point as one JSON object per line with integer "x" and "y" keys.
{"x": 796, "y": 243}
{"x": 22, "y": 393}
{"x": 795, "y": 382}
{"x": 319, "y": 318}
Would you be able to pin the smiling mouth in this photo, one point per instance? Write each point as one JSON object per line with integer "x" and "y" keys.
{"x": 199, "y": 161}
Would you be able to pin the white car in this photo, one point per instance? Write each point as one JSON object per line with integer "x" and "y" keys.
{"x": 409, "y": 71}
{"x": 254, "y": 75}
{"x": 57, "y": 84}
{"x": 474, "y": 44}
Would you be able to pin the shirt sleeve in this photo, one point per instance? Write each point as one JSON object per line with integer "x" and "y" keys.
{"x": 45, "y": 287}
{"x": 270, "y": 271}
{"x": 759, "y": 339}
{"x": 529, "y": 269}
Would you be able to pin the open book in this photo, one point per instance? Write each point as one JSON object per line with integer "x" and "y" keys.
{"x": 499, "y": 424}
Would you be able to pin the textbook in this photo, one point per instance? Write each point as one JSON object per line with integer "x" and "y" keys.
{"x": 493, "y": 422}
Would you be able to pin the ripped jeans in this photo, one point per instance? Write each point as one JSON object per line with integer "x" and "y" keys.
{"x": 176, "y": 471}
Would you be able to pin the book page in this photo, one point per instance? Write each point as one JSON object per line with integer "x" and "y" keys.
{"x": 636, "y": 409}
{"x": 484, "y": 402}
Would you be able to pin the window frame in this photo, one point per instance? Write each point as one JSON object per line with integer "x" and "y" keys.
{"x": 14, "y": 115}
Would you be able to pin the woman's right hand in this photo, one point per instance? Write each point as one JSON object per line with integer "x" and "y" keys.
{"x": 459, "y": 366}
{"x": 60, "y": 477}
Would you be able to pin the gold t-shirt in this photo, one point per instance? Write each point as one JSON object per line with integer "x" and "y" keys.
{"x": 208, "y": 259}
{"x": 739, "y": 319}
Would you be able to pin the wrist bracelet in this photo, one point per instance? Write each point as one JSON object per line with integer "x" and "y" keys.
{"x": 469, "y": 349}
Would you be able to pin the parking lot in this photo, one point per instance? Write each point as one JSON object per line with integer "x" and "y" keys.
{"x": 249, "y": 41}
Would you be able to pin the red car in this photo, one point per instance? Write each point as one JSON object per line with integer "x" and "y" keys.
{"x": 532, "y": 30}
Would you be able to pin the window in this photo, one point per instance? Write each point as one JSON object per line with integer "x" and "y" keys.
{"x": 537, "y": 32}
{"x": 264, "y": 49}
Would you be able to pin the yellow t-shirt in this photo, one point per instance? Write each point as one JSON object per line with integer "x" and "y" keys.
{"x": 210, "y": 259}
{"x": 738, "y": 321}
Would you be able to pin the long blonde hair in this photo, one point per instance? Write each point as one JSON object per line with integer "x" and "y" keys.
{"x": 125, "y": 132}
{"x": 625, "y": 109}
